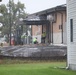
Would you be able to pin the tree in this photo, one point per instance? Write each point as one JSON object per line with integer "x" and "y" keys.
{"x": 17, "y": 12}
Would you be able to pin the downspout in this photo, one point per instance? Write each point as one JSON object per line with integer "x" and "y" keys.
{"x": 49, "y": 27}
{"x": 52, "y": 32}
{"x": 49, "y": 32}
{"x": 54, "y": 21}
{"x": 42, "y": 28}
{"x": 61, "y": 25}
{"x": 31, "y": 30}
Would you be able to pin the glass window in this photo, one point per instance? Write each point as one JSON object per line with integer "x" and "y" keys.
{"x": 71, "y": 30}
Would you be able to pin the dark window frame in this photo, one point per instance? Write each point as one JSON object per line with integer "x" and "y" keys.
{"x": 60, "y": 27}
{"x": 71, "y": 30}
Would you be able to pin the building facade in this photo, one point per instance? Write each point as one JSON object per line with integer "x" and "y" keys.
{"x": 57, "y": 28}
{"x": 71, "y": 34}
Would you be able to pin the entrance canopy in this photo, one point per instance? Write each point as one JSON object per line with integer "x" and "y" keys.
{"x": 36, "y": 22}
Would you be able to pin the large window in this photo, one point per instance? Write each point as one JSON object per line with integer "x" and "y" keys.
{"x": 71, "y": 30}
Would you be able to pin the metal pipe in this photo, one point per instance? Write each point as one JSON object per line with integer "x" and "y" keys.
{"x": 62, "y": 25}
{"x": 42, "y": 28}
{"x": 52, "y": 32}
{"x": 31, "y": 30}
{"x": 50, "y": 27}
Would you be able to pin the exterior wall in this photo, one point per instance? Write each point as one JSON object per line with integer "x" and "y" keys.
{"x": 36, "y": 32}
{"x": 65, "y": 33}
{"x": 71, "y": 14}
{"x": 57, "y": 33}
{"x": 58, "y": 22}
{"x": 57, "y": 37}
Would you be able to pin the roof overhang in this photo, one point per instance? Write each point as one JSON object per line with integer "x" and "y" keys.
{"x": 48, "y": 11}
{"x": 36, "y": 22}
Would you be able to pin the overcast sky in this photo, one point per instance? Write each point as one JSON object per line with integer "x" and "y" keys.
{"x": 33, "y": 6}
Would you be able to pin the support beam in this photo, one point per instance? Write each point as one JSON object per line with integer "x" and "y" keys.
{"x": 35, "y": 22}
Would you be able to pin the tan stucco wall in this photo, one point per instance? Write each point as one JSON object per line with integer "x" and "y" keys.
{"x": 36, "y": 30}
{"x": 58, "y": 22}
{"x": 56, "y": 30}
{"x": 55, "y": 25}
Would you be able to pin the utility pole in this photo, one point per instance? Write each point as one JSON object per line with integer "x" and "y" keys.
{"x": 10, "y": 21}
{"x": 19, "y": 17}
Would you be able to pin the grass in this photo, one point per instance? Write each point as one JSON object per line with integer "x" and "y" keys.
{"x": 36, "y": 68}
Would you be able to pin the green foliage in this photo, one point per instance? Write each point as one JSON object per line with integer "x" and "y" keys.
{"x": 35, "y": 69}
{"x": 16, "y": 12}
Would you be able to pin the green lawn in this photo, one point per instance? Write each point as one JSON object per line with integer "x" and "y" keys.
{"x": 35, "y": 69}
